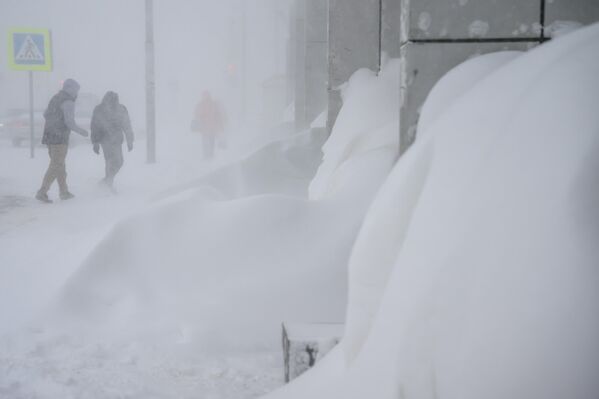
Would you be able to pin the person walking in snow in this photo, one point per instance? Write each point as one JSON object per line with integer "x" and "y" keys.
{"x": 209, "y": 121}
{"x": 110, "y": 127}
{"x": 59, "y": 122}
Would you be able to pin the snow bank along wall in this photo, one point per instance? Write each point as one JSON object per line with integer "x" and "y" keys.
{"x": 437, "y": 35}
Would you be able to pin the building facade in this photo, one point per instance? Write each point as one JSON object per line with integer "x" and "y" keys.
{"x": 334, "y": 38}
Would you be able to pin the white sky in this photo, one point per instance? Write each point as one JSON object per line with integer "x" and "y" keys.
{"x": 101, "y": 44}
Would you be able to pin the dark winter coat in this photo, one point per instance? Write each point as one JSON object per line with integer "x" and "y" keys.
{"x": 60, "y": 115}
{"x": 110, "y": 122}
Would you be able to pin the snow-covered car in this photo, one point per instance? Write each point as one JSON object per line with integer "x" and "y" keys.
{"x": 15, "y": 126}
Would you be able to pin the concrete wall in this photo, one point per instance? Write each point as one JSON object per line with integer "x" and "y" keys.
{"x": 316, "y": 58}
{"x": 354, "y": 43}
{"x": 331, "y": 39}
{"x": 309, "y": 60}
{"x": 299, "y": 61}
{"x": 291, "y": 67}
{"x": 437, "y": 35}
{"x": 583, "y": 11}
{"x": 391, "y": 12}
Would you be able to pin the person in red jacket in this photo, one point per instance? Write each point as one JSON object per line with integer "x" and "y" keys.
{"x": 209, "y": 121}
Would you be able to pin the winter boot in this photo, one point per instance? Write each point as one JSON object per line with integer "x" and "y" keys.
{"x": 43, "y": 197}
{"x": 66, "y": 196}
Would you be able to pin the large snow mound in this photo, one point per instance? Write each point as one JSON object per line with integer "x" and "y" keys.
{"x": 366, "y": 126}
{"x": 213, "y": 267}
{"x": 457, "y": 82}
{"x": 373, "y": 258}
{"x": 485, "y": 282}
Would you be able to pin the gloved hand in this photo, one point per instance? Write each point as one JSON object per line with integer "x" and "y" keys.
{"x": 97, "y": 148}
{"x": 129, "y": 147}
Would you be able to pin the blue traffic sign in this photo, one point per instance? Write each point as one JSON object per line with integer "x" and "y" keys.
{"x": 29, "y": 50}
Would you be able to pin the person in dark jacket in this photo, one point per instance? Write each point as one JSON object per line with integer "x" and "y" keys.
{"x": 60, "y": 121}
{"x": 110, "y": 127}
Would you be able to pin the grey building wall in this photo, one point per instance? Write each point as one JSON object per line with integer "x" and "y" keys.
{"x": 390, "y": 15}
{"x": 298, "y": 60}
{"x": 354, "y": 43}
{"x": 316, "y": 58}
{"x": 291, "y": 68}
{"x": 437, "y": 35}
{"x": 583, "y": 11}
{"x": 309, "y": 59}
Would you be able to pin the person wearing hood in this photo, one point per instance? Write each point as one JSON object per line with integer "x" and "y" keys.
{"x": 110, "y": 127}
{"x": 59, "y": 122}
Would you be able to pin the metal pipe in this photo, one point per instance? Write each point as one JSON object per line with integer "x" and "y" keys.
{"x": 31, "y": 118}
{"x": 150, "y": 84}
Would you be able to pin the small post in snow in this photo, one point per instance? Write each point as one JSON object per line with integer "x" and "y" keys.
{"x": 31, "y": 118}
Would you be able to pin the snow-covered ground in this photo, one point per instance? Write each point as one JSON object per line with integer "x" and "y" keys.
{"x": 475, "y": 272}
{"x": 177, "y": 285}
{"x": 472, "y": 273}
{"x": 42, "y": 245}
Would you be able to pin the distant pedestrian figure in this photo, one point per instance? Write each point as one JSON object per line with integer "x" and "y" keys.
{"x": 209, "y": 121}
{"x": 60, "y": 121}
{"x": 110, "y": 127}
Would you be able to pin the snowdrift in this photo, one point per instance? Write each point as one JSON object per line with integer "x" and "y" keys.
{"x": 283, "y": 165}
{"x": 229, "y": 257}
{"x": 475, "y": 273}
{"x": 364, "y": 135}
{"x": 213, "y": 267}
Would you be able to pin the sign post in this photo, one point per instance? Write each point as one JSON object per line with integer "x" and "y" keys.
{"x": 31, "y": 118}
{"x": 30, "y": 50}
{"x": 150, "y": 84}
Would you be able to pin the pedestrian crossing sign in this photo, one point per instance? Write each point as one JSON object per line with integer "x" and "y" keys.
{"x": 29, "y": 49}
